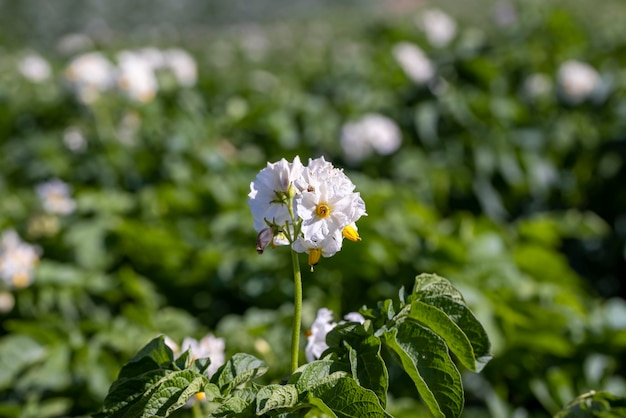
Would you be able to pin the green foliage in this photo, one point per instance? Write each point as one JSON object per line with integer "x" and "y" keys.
{"x": 594, "y": 404}
{"x": 350, "y": 381}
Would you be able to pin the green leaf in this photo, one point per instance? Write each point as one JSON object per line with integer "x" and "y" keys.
{"x": 231, "y": 407}
{"x": 311, "y": 374}
{"x": 172, "y": 393}
{"x": 16, "y": 353}
{"x": 273, "y": 397}
{"x": 366, "y": 363}
{"x": 240, "y": 368}
{"x": 594, "y": 405}
{"x": 152, "y": 356}
{"x": 345, "y": 398}
{"x": 460, "y": 326}
{"x": 447, "y": 329}
{"x": 427, "y": 285}
{"x": 424, "y": 356}
{"x": 155, "y": 393}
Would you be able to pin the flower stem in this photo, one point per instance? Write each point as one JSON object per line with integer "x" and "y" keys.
{"x": 297, "y": 315}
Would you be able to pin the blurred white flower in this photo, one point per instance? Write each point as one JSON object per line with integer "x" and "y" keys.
{"x": 152, "y": 56}
{"x": 35, "y": 68}
{"x": 89, "y": 75}
{"x": 182, "y": 65}
{"x": 128, "y": 128}
{"x": 268, "y": 193}
{"x": 316, "y": 337}
{"x": 414, "y": 62}
{"x": 354, "y": 317}
{"x": 505, "y": 13}
{"x": 537, "y": 85}
{"x": 208, "y": 347}
{"x": 440, "y": 28}
{"x": 577, "y": 80}
{"x": 7, "y": 302}
{"x": 136, "y": 77}
{"x": 74, "y": 140}
{"x": 373, "y": 132}
{"x": 74, "y": 43}
{"x": 17, "y": 260}
{"x": 55, "y": 196}
{"x": 322, "y": 325}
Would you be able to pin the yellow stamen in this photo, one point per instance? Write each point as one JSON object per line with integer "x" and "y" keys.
{"x": 322, "y": 210}
{"x": 200, "y": 396}
{"x": 351, "y": 233}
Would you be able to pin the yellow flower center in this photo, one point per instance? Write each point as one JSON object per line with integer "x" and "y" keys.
{"x": 21, "y": 279}
{"x": 322, "y": 210}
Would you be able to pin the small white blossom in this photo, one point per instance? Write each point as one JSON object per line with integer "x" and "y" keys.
{"x": 55, "y": 196}
{"x": 74, "y": 140}
{"x": 415, "y": 64}
{"x": 208, "y": 346}
{"x": 182, "y": 64}
{"x": 577, "y": 80}
{"x": 322, "y": 325}
{"x": 316, "y": 338}
{"x": 439, "y": 28}
{"x": 90, "y": 75}
{"x": 17, "y": 260}
{"x": 35, "y": 68}
{"x": 7, "y": 302}
{"x": 325, "y": 246}
{"x": 268, "y": 193}
{"x": 537, "y": 85}
{"x": 136, "y": 77}
{"x": 505, "y": 13}
{"x": 373, "y": 132}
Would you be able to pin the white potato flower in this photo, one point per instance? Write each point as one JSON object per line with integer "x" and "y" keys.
{"x": 322, "y": 325}
{"x": 439, "y": 28}
{"x": 316, "y": 337}
{"x": 208, "y": 346}
{"x": 312, "y": 208}
{"x": 17, "y": 260}
{"x": 328, "y": 203}
{"x": 182, "y": 65}
{"x": 577, "y": 80}
{"x": 136, "y": 77}
{"x": 35, "y": 68}
{"x": 537, "y": 85}
{"x": 414, "y": 62}
{"x": 55, "y": 197}
{"x": 373, "y": 132}
{"x": 268, "y": 197}
{"x": 89, "y": 75}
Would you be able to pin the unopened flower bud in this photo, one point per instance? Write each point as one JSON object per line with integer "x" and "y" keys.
{"x": 314, "y": 256}
{"x": 263, "y": 239}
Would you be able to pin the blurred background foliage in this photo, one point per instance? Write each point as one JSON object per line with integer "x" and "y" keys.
{"x": 513, "y": 192}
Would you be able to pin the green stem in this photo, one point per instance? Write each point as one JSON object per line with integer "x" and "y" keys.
{"x": 196, "y": 410}
{"x": 297, "y": 315}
